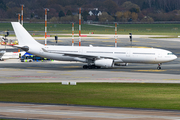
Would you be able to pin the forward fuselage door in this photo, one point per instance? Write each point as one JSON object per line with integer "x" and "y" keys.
{"x": 128, "y": 56}
{"x": 159, "y": 55}
{"x": 81, "y": 50}
{"x": 128, "y": 53}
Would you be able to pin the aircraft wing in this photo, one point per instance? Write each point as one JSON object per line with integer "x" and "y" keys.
{"x": 81, "y": 55}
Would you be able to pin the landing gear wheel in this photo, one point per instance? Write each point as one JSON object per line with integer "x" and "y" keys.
{"x": 85, "y": 66}
{"x": 159, "y": 66}
{"x": 91, "y": 67}
{"x": 98, "y": 67}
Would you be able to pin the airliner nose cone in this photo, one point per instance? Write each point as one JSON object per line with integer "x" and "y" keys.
{"x": 174, "y": 57}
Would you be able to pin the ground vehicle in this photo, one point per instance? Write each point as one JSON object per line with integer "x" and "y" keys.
{"x": 27, "y": 57}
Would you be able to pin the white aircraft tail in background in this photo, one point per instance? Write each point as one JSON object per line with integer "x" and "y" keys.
{"x": 95, "y": 57}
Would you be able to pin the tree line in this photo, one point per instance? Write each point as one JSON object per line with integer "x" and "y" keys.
{"x": 112, "y": 10}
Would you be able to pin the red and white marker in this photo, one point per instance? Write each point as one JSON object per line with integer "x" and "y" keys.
{"x": 115, "y": 34}
{"x": 19, "y": 20}
{"x": 22, "y": 14}
{"x": 72, "y": 34}
{"x": 46, "y": 25}
{"x": 79, "y": 26}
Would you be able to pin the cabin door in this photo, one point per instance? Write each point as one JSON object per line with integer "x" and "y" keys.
{"x": 128, "y": 53}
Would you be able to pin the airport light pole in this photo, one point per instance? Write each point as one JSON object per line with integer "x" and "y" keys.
{"x": 19, "y": 15}
{"x": 22, "y": 14}
{"x": 72, "y": 34}
{"x": 115, "y": 34}
{"x": 79, "y": 26}
{"x": 46, "y": 9}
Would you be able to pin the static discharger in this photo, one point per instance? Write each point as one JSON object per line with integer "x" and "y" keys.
{"x": 79, "y": 26}
{"x": 72, "y": 34}
{"x": 115, "y": 34}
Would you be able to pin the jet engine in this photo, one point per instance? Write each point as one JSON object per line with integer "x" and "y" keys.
{"x": 104, "y": 63}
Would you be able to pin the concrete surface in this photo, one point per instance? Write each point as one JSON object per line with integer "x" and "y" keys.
{"x": 13, "y": 71}
{"x": 61, "y": 112}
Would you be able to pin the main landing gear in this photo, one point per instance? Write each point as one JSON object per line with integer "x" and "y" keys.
{"x": 91, "y": 67}
{"x": 159, "y": 66}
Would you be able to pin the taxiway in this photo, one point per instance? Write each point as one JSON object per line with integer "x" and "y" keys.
{"x": 61, "y": 112}
{"x": 14, "y": 71}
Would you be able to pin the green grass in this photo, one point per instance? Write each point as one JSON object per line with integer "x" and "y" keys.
{"x": 9, "y": 119}
{"x": 141, "y": 29}
{"x": 155, "y": 96}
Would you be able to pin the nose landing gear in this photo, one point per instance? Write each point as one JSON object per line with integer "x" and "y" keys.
{"x": 159, "y": 66}
{"x": 91, "y": 67}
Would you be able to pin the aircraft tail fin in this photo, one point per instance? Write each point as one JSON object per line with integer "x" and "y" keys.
{"x": 24, "y": 38}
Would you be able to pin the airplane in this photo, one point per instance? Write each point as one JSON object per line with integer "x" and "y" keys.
{"x": 10, "y": 55}
{"x": 1, "y": 37}
{"x": 95, "y": 57}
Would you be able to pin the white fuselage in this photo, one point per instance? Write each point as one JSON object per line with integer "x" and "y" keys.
{"x": 94, "y": 56}
{"x": 125, "y": 55}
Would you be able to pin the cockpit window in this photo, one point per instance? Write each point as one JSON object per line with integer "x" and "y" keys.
{"x": 170, "y": 54}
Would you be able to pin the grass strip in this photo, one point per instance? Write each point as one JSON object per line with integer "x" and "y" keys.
{"x": 153, "y": 96}
{"x": 135, "y": 29}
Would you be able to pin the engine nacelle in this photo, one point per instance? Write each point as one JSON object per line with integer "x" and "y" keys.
{"x": 104, "y": 63}
{"x": 121, "y": 64}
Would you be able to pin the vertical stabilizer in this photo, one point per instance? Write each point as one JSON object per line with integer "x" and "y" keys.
{"x": 24, "y": 38}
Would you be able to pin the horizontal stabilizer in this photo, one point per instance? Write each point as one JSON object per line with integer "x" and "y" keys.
{"x": 23, "y": 47}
